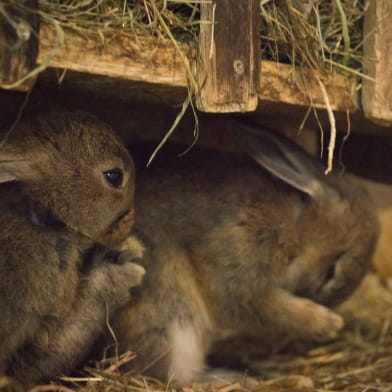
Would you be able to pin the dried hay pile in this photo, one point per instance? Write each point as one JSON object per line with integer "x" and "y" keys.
{"x": 320, "y": 34}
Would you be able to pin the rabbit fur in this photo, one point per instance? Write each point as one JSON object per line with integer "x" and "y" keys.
{"x": 229, "y": 245}
{"x": 60, "y": 219}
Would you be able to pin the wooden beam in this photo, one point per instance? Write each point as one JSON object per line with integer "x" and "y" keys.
{"x": 158, "y": 74}
{"x": 377, "y": 94}
{"x": 119, "y": 58}
{"x": 298, "y": 86}
{"x": 18, "y": 44}
{"x": 229, "y": 56}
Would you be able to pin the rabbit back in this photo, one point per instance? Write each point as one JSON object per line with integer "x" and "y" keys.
{"x": 208, "y": 272}
{"x": 221, "y": 209}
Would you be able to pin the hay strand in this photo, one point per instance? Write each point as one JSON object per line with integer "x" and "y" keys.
{"x": 332, "y": 124}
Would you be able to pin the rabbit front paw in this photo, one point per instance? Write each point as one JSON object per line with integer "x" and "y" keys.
{"x": 131, "y": 247}
{"x": 112, "y": 282}
{"x": 124, "y": 277}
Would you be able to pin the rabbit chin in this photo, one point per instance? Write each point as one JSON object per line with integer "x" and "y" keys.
{"x": 119, "y": 230}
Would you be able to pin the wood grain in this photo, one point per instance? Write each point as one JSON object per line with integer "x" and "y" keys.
{"x": 229, "y": 56}
{"x": 157, "y": 74}
{"x": 377, "y": 94}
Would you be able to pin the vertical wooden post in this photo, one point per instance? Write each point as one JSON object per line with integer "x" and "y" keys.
{"x": 18, "y": 43}
{"x": 229, "y": 56}
{"x": 377, "y": 53}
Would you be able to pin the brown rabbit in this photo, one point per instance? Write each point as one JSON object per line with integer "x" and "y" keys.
{"x": 326, "y": 280}
{"x": 67, "y": 196}
{"x": 220, "y": 233}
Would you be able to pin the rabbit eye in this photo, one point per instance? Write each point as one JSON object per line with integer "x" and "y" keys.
{"x": 114, "y": 177}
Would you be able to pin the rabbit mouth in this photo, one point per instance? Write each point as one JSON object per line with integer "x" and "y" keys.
{"x": 121, "y": 227}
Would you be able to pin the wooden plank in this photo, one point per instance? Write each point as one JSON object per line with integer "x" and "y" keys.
{"x": 229, "y": 58}
{"x": 158, "y": 74}
{"x": 18, "y": 44}
{"x": 119, "y": 58}
{"x": 108, "y": 87}
{"x": 377, "y": 94}
{"x": 298, "y": 86}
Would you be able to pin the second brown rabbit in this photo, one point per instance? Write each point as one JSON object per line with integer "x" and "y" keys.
{"x": 67, "y": 197}
{"x": 221, "y": 233}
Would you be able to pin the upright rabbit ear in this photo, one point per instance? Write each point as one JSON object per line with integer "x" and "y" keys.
{"x": 284, "y": 159}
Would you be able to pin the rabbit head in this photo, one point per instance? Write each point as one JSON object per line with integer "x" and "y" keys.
{"x": 337, "y": 246}
{"x": 73, "y": 169}
{"x": 337, "y": 223}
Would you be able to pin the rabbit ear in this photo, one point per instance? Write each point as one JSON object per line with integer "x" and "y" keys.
{"x": 13, "y": 170}
{"x": 284, "y": 159}
{"x": 6, "y": 177}
{"x": 16, "y": 165}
